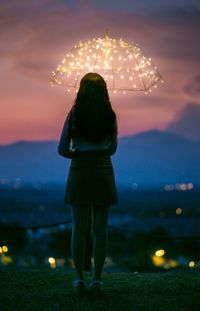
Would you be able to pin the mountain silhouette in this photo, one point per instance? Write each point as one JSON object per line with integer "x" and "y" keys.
{"x": 148, "y": 158}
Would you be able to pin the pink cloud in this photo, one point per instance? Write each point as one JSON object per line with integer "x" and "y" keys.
{"x": 37, "y": 34}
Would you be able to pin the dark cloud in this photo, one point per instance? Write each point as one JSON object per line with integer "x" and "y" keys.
{"x": 144, "y": 7}
{"x": 187, "y": 122}
{"x": 188, "y": 14}
{"x": 193, "y": 87}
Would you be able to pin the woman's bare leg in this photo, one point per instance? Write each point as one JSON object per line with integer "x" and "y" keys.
{"x": 100, "y": 220}
{"x": 79, "y": 230}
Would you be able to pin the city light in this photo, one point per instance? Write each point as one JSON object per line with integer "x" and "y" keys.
{"x": 52, "y": 262}
{"x": 179, "y": 186}
{"x": 157, "y": 258}
{"x": 191, "y": 264}
{"x": 190, "y": 186}
{"x": 179, "y": 211}
{"x": 160, "y": 252}
{"x": 4, "y": 259}
{"x": 5, "y": 249}
{"x": 170, "y": 263}
{"x": 158, "y": 261}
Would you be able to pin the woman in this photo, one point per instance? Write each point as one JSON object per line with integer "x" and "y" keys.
{"x": 89, "y": 138}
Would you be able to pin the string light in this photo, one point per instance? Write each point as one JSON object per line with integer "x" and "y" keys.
{"x": 122, "y": 64}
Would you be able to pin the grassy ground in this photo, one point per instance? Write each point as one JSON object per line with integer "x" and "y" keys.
{"x": 44, "y": 289}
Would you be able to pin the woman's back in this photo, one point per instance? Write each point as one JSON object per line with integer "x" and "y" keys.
{"x": 89, "y": 138}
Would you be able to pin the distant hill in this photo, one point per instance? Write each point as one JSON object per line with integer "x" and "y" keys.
{"x": 147, "y": 158}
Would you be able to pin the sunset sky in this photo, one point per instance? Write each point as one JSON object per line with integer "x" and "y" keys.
{"x": 36, "y": 34}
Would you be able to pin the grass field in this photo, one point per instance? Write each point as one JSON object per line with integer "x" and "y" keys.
{"x": 45, "y": 289}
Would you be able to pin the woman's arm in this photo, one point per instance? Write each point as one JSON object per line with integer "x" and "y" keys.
{"x": 65, "y": 139}
{"x": 113, "y": 144}
{"x": 114, "y": 141}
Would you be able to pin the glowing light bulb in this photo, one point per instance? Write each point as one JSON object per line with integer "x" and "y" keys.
{"x": 191, "y": 264}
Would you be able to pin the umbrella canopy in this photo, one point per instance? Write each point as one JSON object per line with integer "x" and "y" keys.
{"x": 122, "y": 64}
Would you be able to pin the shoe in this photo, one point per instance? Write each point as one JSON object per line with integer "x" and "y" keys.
{"x": 79, "y": 286}
{"x": 96, "y": 285}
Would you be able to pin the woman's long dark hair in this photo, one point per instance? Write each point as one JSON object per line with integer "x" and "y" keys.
{"x": 92, "y": 115}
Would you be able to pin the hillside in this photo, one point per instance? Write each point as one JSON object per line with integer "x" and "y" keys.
{"x": 44, "y": 289}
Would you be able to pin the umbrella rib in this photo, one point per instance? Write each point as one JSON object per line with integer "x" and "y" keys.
{"x": 96, "y": 60}
{"x": 78, "y": 75}
{"x": 140, "y": 73}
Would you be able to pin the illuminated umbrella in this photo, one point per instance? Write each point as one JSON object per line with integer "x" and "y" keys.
{"x": 122, "y": 64}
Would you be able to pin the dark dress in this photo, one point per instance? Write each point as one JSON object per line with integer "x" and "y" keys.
{"x": 91, "y": 177}
{"x": 91, "y": 180}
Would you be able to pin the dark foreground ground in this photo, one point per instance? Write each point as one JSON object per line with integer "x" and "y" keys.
{"x": 44, "y": 289}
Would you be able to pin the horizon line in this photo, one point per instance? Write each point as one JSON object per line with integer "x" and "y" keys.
{"x": 120, "y": 136}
